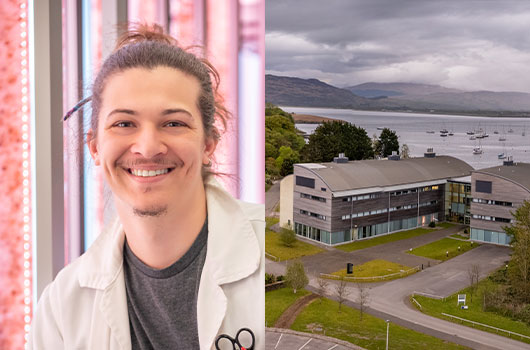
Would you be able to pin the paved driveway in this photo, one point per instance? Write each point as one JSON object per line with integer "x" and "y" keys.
{"x": 389, "y": 300}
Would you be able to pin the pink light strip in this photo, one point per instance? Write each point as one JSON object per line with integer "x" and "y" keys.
{"x": 15, "y": 190}
{"x": 222, "y": 50}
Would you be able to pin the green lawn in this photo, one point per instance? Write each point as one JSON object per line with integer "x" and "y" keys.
{"x": 274, "y": 247}
{"x": 437, "y": 250}
{"x": 271, "y": 220}
{"x": 392, "y": 237}
{"x": 374, "y": 268}
{"x": 324, "y": 318}
{"x": 459, "y": 236}
{"x": 445, "y": 224}
{"x": 435, "y": 308}
{"x": 277, "y": 301}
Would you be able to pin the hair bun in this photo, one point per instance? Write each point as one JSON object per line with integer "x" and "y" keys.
{"x": 138, "y": 32}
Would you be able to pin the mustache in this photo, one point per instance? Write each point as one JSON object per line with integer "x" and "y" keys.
{"x": 169, "y": 163}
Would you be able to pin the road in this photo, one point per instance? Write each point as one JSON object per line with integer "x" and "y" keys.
{"x": 389, "y": 300}
{"x": 272, "y": 197}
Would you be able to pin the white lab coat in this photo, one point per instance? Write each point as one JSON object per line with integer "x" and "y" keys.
{"x": 86, "y": 305}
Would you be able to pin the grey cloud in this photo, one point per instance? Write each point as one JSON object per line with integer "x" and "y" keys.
{"x": 355, "y": 37}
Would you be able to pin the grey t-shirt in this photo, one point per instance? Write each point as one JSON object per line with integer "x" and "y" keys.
{"x": 162, "y": 304}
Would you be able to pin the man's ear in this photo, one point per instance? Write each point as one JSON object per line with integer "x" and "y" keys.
{"x": 92, "y": 146}
{"x": 209, "y": 147}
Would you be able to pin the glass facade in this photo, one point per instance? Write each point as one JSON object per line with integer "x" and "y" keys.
{"x": 363, "y": 232}
{"x": 457, "y": 202}
{"x": 487, "y": 236}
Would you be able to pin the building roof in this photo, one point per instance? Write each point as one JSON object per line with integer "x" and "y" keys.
{"x": 518, "y": 173}
{"x": 382, "y": 172}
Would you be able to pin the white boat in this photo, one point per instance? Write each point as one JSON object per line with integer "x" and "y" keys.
{"x": 472, "y": 137}
{"x": 477, "y": 150}
{"x": 502, "y": 138}
{"x": 501, "y": 156}
{"x": 470, "y": 132}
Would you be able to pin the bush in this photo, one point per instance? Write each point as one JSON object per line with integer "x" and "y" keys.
{"x": 287, "y": 237}
{"x": 269, "y": 278}
{"x": 295, "y": 276}
{"x": 280, "y": 278}
{"x": 432, "y": 224}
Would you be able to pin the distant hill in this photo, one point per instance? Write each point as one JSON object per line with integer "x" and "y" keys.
{"x": 371, "y": 90}
{"x": 290, "y": 91}
{"x": 475, "y": 100}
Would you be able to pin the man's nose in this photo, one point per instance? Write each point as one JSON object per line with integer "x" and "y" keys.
{"x": 149, "y": 143}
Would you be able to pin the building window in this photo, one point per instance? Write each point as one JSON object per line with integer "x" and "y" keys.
{"x": 315, "y": 198}
{"x": 491, "y": 218}
{"x": 323, "y": 189}
{"x": 315, "y": 215}
{"x": 305, "y": 181}
{"x": 483, "y": 186}
{"x": 492, "y": 202}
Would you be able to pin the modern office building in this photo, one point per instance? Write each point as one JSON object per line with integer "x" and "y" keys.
{"x": 497, "y": 192}
{"x": 341, "y": 201}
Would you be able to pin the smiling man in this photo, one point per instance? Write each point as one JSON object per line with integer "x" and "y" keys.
{"x": 182, "y": 266}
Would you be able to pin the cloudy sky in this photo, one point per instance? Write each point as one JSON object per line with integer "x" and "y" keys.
{"x": 469, "y": 45}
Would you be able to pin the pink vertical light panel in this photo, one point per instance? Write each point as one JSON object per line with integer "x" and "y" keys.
{"x": 15, "y": 187}
{"x": 222, "y": 49}
{"x": 186, "y": 22}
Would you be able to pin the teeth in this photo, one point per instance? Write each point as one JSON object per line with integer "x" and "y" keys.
{"x": 147, "y": 173}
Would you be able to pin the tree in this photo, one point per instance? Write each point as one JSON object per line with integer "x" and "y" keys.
{"x": 322, "y": 285}
{"x": 287, "y": 237}
{"x": 295, "y": 276}
{"x": 519, "y": 270}
{"x": 332, "y": 138}
{"x": 362, "y": 298}
{"x": 280, "y": 133}
{"x": 473, "y": 272}
{"x": 286, "y": 159}
{"x": 342, "y": 291}
{"x": 387, "y": 143}
{"x": 405, "y": 151}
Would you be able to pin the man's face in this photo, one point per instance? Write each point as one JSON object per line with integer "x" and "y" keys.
{"x": 150, "y": 141}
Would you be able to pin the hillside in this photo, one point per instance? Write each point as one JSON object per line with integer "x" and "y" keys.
{"x": 290, "y": 91}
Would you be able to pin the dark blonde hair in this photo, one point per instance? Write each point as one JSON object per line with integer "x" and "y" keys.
{"x": 148, "y": 47}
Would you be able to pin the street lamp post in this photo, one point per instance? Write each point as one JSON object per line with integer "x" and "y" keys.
{"x": 387, "y": 324}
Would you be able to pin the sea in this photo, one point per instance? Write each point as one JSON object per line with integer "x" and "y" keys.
{"x": 412, "y": 129}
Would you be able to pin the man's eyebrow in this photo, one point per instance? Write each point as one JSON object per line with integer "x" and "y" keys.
{"x": 121, "y": 110}
{"x": 175, "y": 110}
{"x": 164, "y": 112}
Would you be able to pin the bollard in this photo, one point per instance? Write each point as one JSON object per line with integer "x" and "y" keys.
{"x": 447, "y": 254}
{"x": 422, "y": 266}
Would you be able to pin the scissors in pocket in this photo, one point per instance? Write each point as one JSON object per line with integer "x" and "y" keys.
{"x": 236, "y": 342}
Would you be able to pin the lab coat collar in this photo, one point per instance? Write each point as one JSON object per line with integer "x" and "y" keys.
{"x": 233, "y": 253}
{"x": 232, "y": 245}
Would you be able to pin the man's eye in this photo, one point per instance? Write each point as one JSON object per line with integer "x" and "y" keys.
{"x": 174, "y": 124}
{"x": 123, "y": 124}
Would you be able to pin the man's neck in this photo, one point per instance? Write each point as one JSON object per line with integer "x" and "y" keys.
{"x": 159, "y": 241}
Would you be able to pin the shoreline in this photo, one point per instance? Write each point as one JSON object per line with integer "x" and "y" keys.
{"x": 311, "y": 119}
{"x": 315, "y": 119}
